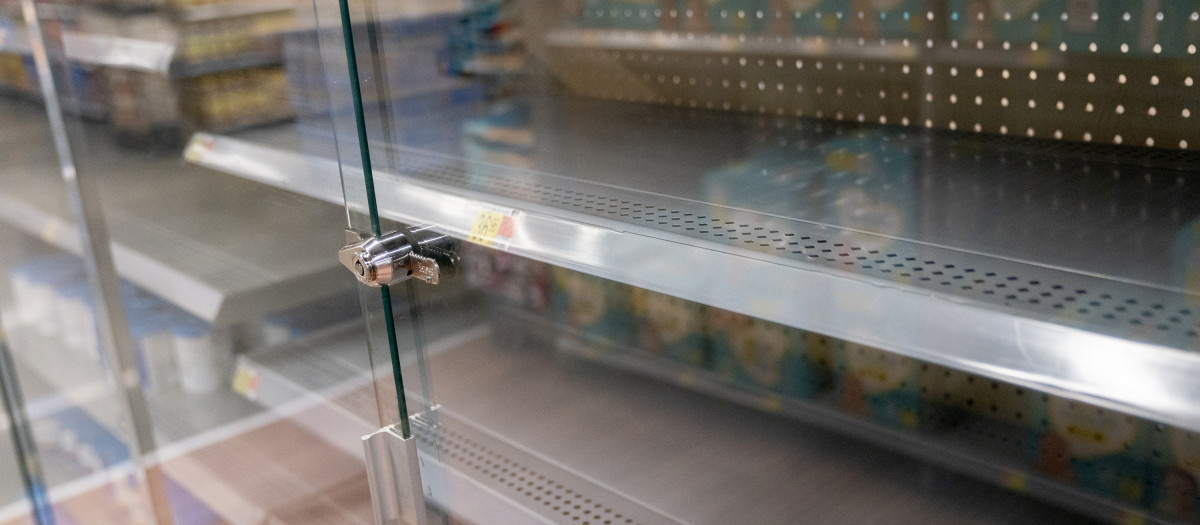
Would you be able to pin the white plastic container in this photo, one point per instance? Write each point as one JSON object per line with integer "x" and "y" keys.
{"x": 76, "y": 314}
{"x": 203, "y": 356}
{"x": 150, "y": 329}
{"x": 34, "y": 283}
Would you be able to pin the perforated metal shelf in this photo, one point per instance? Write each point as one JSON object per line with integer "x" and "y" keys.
{"x": 596, "y": 439}
{"x": 1057, "y": 266}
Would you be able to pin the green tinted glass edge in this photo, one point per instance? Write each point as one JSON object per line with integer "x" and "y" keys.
{"x": 373, "y": 209}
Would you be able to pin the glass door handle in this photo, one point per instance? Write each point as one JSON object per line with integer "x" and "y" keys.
{"x": 399, "y": 255}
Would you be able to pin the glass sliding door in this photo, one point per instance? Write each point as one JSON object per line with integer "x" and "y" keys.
{"x": 757, "y": 261}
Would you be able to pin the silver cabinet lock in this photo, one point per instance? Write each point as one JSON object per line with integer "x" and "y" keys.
{"x": 396, "y": 256}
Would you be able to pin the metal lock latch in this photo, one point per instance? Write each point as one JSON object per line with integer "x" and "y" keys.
{"x": 396, "y": 256}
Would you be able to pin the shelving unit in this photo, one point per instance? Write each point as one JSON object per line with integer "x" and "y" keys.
{"x": 153, "y": 56}
{"x": 201, "y": 253}
{"x": 177, "y": 416}
{"x": 1038, "y": 306}
{"x": 516, "y": 419}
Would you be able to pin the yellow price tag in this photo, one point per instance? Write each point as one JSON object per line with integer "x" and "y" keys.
{"x": 50, "y": 231}
{"x": 245, "y": 381}
{"x": 197, "y": 149}
{"x": 492, "y": 229}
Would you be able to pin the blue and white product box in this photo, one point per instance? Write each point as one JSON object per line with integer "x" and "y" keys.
{"x": 761, "y": 355}
{"x": 736, "y": 16}
{"x": 34, "y": 283}
{"x": 77, "y": 319}
{"x": 295, "y": 323}
{"x": 204, "y": 357}
{"x": 595, "y": 308}
{"x": 783, "y": 181}
{"x": 1019, "y": 22}
{"x": 885, "y": 19}
{"x": 1095, "y": 449}
{"x": 519, "y": 282}
{"x": 150, "y": 328}
{"x": 503, "y": 136}
{"x": 881, "y": 386}
{"x": 870, "y": 186}
{"x": 669, "y": 326}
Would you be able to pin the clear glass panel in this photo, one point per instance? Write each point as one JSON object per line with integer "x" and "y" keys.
{"x": 938, "y": 249}
{"x": 230, "y": 300}
{"x": 722, "y": 261}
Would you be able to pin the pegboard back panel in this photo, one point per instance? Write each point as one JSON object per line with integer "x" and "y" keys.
{"x": 1113, "y": 72}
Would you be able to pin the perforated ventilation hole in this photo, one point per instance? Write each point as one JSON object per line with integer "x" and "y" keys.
{"x": 1035, "y": 294}
{"x": 555, "y": 497}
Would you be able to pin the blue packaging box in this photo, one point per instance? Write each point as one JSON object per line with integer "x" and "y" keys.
{"x": 761, "y": 355}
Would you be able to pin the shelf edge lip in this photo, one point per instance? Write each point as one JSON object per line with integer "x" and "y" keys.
{"x": 189, "y": 294}
{"x": 202, "y": 13}
{"x": 1068, "y": 361}
{"x": 213, "y": 305}
{"x": 683, "y": 41}
{"x": 152, "y": 56}
{"x": 808, "y": 46}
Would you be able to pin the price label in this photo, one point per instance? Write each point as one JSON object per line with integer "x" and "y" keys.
{"x": 494, "y": 229}
{"x": 50, "y": 231}
{"x": 198, "y": 148}
{"x": 245, "y": 381}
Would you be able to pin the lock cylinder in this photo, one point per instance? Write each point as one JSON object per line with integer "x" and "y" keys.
{"x": 400, "y": 255}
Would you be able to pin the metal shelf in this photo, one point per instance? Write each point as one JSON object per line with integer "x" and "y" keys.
{"x": 214, "y": 11}
{"x": 176, "y": 415}
{"x": 960, "y": 452}
{"x": 189, "y": 236}
{"x": 1055, "y": 266}
{"x": 693, "y": 437}
{"x": 768, "y": 45}
{"x": 833, "y": 47}
{"x": 100, "y": 50}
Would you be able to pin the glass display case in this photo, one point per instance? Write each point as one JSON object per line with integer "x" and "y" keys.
{"x": 601, "y": 261}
